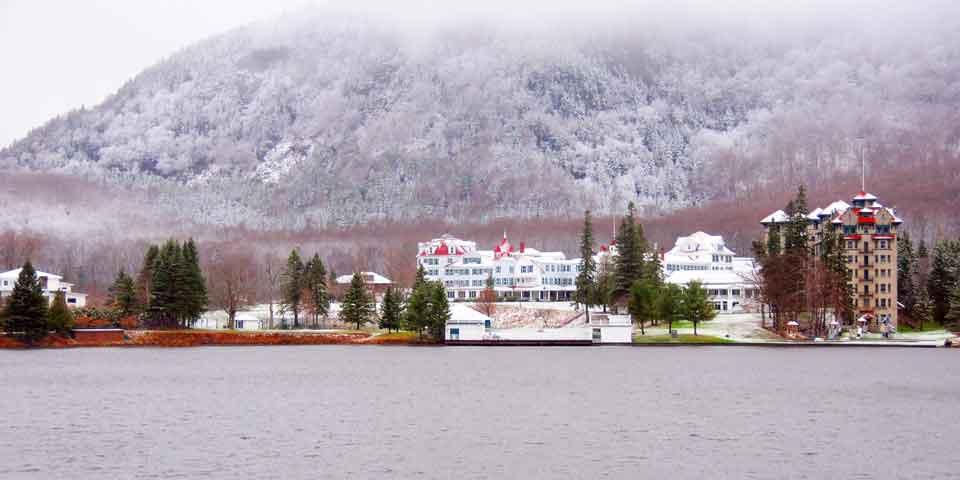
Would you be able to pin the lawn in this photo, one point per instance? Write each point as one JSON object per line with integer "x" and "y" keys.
{"x": 681, "y": 339}
{"x": 927, "y": 327}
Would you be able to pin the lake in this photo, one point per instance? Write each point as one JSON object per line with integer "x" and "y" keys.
{"x": 473, "y": 412}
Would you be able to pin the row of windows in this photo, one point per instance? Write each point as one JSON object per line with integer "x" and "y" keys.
{"x": 552, "y": 268}
{"x": 878, "y": 303}
{"x": 722, "y": 258}
{"x": 557, "y": 281}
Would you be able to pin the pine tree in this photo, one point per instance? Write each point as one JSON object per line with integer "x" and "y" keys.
{"x": 357, "y": 306}
{"x": 316, "y": 284}
{"x": 585, "y": 292}
{"x": 166, "y": 286}
{"x": 906, "y": 268}
{"x": 439, "y": 312}
{"x": 415, "y": 316}
{"x": 643, "y": 303}
{"x": 952, "y": 318}
{"x": 603, "y": 287}
{"x": 670, "y": 303}
{"x": 773, "y": 241}
{"x": 630, "y": 252}
{"x": 391, "y": 310}
{"x": 123, "y": 295}
{"x": 25, "y": 315}
{"x": 194, "y": 298}
{"x": 60, "y": 318}
{"x": 421, "y": 277}
{"x": 145, "y": 278}
{"x": 697, "y": 306}
{"x": 923, "y": 309}
{"x": 943, "y": 277}
{"x": 292, "y": 288}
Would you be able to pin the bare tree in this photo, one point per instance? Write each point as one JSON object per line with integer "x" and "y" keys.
{"x": 231, "y": 280}
{"x": 271, "y": 267}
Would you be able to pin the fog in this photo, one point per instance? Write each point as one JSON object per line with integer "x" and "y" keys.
{"x": 62, "y": 55}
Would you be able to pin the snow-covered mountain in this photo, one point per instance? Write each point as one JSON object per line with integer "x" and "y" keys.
{"x": 309, "y": 119}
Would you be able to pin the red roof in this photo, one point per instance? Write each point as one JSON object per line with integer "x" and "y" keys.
{"x": 442, "y": 249}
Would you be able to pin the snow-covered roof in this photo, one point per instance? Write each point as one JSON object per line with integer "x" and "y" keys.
{"x": 460, "y": 313}
{"x": 865, "y": 196}
{"x": 16, "y": 273}
{"x": 836, "y": 207}
{"x": 700, "y": 242}
{"x": 815, "y": 214}
{"x": 370, "y": 278}
{"x": 866, "y": 210}
{"x": 706, "y": 277}
{"x": 776, "y": 217}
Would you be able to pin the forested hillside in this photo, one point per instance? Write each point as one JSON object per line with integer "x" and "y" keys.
{"x": 312, "y": 121}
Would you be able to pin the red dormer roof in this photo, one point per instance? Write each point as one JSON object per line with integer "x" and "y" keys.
{"x": 442, "y": 249}
{"x": 504, "y": 248}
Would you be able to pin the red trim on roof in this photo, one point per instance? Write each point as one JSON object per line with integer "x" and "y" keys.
{"x": 866, "y": 220}
{"x": 851, "y": 237}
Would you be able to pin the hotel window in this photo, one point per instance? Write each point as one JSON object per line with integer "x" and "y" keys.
{"x": 454, "y": 334}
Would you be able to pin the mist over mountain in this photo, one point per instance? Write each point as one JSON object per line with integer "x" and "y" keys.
{"x": 336, "y": 120}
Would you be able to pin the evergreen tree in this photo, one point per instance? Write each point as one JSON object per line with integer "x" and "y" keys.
{"x": 654, "y": 267}
{"x": 391, "y": 310}
{"x": 643, "y": 303}
{"x": 943, "y": 277}
{"x": 25, "y": 315}
{"x": 316, "y": 283}
{"x": 906, "y": 269}
{"x": 585, "y": 293}
{"x": 293, "y": 285}
{"x": 439, "y": 312}
{"x": 123, "y": 295}
{"x": 773, "y": 241}
{"x": 697, "y": 306}
{"x": 796, "y": 238}
{"x": 145, "y": 278}
{"x": 357, "y": 306}
{"x": 60, "y": 318}
{"x": 603, "y": 288}
{"x": 952, "y": 318}
{"x": 171, "y": 294}
{"x": 630, "y": 252}
{"x": 415, "y": 316}
{"x": 922, "y": 309}
{"x": 421, "y": 277}
{"x": 670, "y": 303}
{"x": 193, "y": 293}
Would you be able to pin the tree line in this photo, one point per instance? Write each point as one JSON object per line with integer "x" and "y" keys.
{"x": 794, "y": 278}
{"x": 633, "y": 279}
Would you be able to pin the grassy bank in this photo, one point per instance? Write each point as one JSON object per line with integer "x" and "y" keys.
{"x": 196, "y": 338}
{"x": 680, "y": 340}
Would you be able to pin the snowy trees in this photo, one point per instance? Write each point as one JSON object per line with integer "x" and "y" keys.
{"x": 616, "y": 117}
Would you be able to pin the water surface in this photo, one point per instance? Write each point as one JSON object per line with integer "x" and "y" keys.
{"x": 400, "y": 412}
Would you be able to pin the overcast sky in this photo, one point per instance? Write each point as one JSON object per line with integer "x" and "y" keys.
{"x": 59, "y": 55}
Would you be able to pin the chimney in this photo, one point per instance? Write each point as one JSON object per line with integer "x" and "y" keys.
{"x": 523, "y": 246}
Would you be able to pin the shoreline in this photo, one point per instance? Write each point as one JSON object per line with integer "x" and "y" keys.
{"x": 208, "y": 338}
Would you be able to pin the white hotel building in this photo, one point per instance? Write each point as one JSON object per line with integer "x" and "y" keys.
{"x": 727, "y": 278}
{"x": 49, "y": 282}
{"x": 519, "y": 272}
{"x": 527, "y": 274}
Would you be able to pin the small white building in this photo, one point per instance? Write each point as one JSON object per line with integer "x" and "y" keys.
{"x": 727, "y": 278}
{"x": 466, "y": 323}
{"x": 247, "y": 321}
{"x": 49, "y": 282}
{"x": 375, "y": 283}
